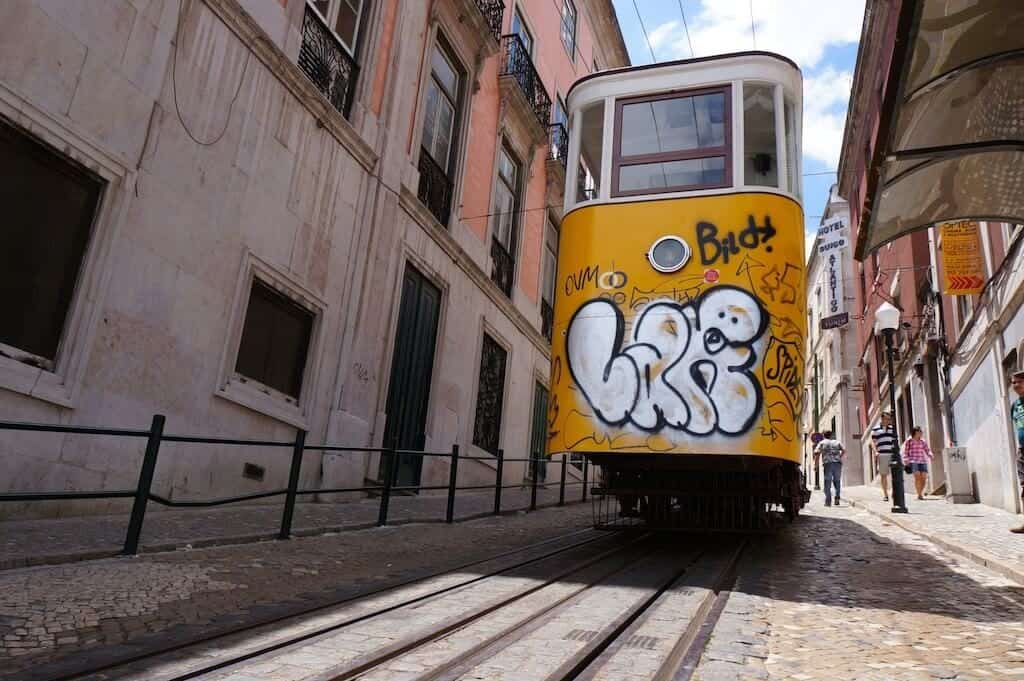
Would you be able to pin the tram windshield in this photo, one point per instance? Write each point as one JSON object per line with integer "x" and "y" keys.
{"x": 588, "y": 169}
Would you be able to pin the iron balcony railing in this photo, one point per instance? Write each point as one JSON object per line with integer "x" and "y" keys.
{"x": 517, "y": 64}
{"x": 493, "y": 11}
{"x": 435, "y": 190}
{"x": 547, "y": 318}
{"x": 558, "y": 143}
{"x": 155, "y": 435}
{"x": 327, "y": 63}
{"x": 504, "y": 267}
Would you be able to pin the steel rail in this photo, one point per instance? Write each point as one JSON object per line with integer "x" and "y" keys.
{"x": 106, "y": 667}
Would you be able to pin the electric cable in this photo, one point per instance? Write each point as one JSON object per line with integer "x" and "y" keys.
{"x": 687, "y": 29}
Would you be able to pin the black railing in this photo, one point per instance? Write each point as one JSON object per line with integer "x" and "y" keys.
{"x": 547, "y": 318}
{"x": 504, "y": 267}
{"x": 558, "y": 143}
{"x": 327, "y": 63}
{"x": 517, "y": 64}
{"x": 493, "y": 11}
{"x": 435, "y": 190}
{"x": 155, "y": 436}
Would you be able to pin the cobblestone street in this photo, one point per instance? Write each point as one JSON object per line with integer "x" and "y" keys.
{"x": 846, "y": 592}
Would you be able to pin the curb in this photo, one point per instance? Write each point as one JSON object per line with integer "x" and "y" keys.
{"x": 50, "y": 559}
{"x": 977, "y": 556}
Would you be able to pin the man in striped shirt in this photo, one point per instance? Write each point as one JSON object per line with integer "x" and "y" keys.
{"x": 883, "y": 445}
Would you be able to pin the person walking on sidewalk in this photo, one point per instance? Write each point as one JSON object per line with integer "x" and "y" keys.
{"x": 883, "y": 445}
{"x": 831, "y": 452}
{"x": 916, "y": 455}
{"x": 1017, "y": 415}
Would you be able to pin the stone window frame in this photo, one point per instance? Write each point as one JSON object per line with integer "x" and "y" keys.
{"x": 248, "y": 392}
{"x": 61, "y": 384}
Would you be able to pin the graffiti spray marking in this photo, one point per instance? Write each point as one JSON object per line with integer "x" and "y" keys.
{"x": 687, "y": 367}
{"x": 577, "y": 281}
{"x": 712, "y": 248}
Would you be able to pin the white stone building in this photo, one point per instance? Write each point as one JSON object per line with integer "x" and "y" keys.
{"x": 225, "y": 213}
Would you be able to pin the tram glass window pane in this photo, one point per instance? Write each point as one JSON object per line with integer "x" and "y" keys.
{"x": 690, "y": 174}
{"x": 760, "y": 162}
{"x": 677, "y": 124}
{"x": 588, "y": 169}
{"x": 792, "y": 153}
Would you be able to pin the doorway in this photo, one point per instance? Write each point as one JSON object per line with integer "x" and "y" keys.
{"x": 411, "y": 368}
{"x": 539, "y": 436}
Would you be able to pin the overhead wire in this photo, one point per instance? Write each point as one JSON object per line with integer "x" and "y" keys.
{"x": 686, "y": 28}
{"x": 753, "y": 33}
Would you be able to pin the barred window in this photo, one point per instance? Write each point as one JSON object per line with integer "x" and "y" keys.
{"x": 490, "y": 396}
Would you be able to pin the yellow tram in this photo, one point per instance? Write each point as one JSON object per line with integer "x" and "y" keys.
{"x": 677, "y": 355}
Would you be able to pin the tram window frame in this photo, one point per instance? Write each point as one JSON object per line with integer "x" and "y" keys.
{"x": 725, "y": 151}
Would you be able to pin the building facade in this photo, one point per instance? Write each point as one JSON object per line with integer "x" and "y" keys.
{"x": 832, "y": 399}
{"x": 334, "y": 216}
{"x": 955, "y": 353}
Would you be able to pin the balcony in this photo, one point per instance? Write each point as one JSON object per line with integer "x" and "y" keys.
{"x": 524, "y": 94}
{"x": 547, "y": 319}
{"x": 558, "y": 152}
{"x": 504, "y": 267}
{"x": 435, "y": 189}
{"x": 326, "y": 62}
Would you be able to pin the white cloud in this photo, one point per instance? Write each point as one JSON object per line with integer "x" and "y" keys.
{"x": 825, "y": 98}
{"x": 799, "y": 29}
{"x": 666, "y": 31}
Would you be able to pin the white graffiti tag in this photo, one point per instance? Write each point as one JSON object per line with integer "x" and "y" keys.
{"x": 687, "y": 367}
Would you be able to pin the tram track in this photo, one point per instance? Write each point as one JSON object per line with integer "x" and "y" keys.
{"x": 592, "y": 609}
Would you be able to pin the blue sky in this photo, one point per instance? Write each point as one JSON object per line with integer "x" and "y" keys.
{"x": 819, "y": 35}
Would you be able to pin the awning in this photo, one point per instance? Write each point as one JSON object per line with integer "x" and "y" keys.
{"x": 955, "y": 126}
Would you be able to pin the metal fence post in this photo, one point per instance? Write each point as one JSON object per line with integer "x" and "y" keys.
{"x": 561, "y": 485}
{"x": 385, "y": 495}
{"x": 498, "y": 479}
{"x": 293, "y": 485}
{"x": 585, "y": 462}
{"x": 533, "y": 484}
{"x": 453, "y": 477}
{"x": 156, "y": 432}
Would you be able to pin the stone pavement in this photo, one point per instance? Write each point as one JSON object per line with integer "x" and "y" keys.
{"x": 65, "y": 617}
{"x": 975, "y": 531}
{"x": 845, "y": 594}
{"x": 61, "y": 540}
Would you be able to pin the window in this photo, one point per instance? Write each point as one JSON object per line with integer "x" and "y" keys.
{"x": 760, "y": 160}
{"x": 792, "y": 155}
{"x": 569, "y": 28}
{"x": 506, "y": 198}
{"x": 49, "y": 207}
{"x": 343, "y": 16}
{"x": 275, "y": 341}
{"x": 591, "y": 147}
{"x": 964, "y": 309}
{"x": 547, "y": 291}
{"x": 672, "y": 143}
{"x": 559, "y": 138}
{"x": 441, "y": 106}
{"x": 519, "y": 28}
{"x": 490, "y": 396}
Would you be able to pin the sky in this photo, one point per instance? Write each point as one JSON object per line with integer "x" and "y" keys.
{"x": 819, "y": 35}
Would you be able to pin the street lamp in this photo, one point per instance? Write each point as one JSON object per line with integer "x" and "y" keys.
{"x": 887, "y": 322}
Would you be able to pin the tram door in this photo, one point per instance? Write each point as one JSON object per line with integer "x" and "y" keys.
{"x": 411, "y": 367}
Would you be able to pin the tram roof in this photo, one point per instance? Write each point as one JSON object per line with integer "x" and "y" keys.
{"x": 679, "y": 63}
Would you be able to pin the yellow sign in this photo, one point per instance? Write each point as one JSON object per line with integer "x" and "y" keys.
{"x": 962, "y": 258}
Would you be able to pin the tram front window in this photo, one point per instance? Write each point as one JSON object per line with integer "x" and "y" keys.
{"x": 588, "y": 168}
{"x": 672, "y": 142}
{"x": 760, "y": 159}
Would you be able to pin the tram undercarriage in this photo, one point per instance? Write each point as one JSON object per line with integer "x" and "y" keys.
{"x": 697, "y": 493}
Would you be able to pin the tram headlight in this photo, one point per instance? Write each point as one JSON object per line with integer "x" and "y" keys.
{"x": 669, "y": 254}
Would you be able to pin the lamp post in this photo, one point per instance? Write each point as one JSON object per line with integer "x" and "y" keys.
{"x": 887, "y": 322}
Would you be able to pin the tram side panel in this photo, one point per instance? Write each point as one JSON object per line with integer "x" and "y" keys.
{"x": 707, "y": 359}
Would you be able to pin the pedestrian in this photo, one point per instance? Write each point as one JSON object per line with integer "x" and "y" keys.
{"x": 916, "y": 455}
{"x": 883, "y": 445}
{"x": 1017, "y": 415}
{"x": 831, "y": 452}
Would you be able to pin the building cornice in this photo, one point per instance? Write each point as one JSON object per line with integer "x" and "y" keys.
{"x": 607, "y": 32}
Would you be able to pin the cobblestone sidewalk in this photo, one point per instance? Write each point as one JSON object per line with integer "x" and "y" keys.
{"x": 975, "y": 531}
{"x": 845, "y": 594}
{"x": 61, "y": 618}
{"x": 61, "y": 540}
